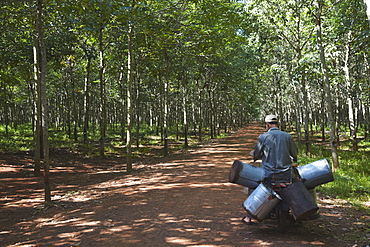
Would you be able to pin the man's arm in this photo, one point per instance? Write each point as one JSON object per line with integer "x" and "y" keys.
{"x": 293, "y": 150}
{"x": 257, "y": 152}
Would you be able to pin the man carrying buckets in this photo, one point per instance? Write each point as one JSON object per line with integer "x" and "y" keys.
{"x": 277, "y": 150}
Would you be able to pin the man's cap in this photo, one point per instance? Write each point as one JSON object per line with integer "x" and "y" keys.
{"x": 271, "y": 119}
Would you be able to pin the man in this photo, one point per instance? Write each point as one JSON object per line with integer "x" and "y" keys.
{"x": 277, "y": 149}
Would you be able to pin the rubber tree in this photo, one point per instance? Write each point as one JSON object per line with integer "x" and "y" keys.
{"x": 129, "y": 99}
{"x": 291, "y": 21}
{"x": 351, "y": 29}
{"x": 42, "y": 109}
{"x": 326, "y": 83}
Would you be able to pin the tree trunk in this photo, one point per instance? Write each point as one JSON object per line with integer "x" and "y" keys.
{"x": 297, "y": 114}
{"x": 123, "y": 104}
{"x": 211, "y": 112}
{"x": 6, "y": 108}
{"x": 86, "y": 96}
{"x": 366, "y": 110}
{"x": 37, "y": 127}
{"x": 351, "y": 114}
{"x": 102, "y": 95}
{"x": 200, "y": 117}
{"x": 278, "y": 102}
{"x": 137, "y": 109}
{"x": 330, "y": 115}
{"x": 322, "y": 113}
{"x": 185, "y": 120}
{"x": 43, "y": 103}
{"x": 166, "y": 108}
{"x": 305, "y": 114}
{"x": 129, "y": 102}
{"x": 73, "y": 102}
{"x": 366, "y": 121}
{"x": 165, "y": 120}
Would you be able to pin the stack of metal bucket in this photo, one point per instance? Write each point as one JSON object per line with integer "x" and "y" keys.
{"x": 300, "y": 196}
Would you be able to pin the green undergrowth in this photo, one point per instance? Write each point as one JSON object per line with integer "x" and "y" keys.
{"x": 351, "y": 180}
{"x": 145, "y": 141}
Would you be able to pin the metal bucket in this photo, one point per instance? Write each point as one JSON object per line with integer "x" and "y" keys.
{"x": 299, "y": 200}
{"x": 316, "y": 215}
{"x": 260, "y": 202}
{"x": 315, "y": 173}
{"x": 246, "y": 174}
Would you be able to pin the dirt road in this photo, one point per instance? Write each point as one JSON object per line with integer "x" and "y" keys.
{"x": 183, "y": 200}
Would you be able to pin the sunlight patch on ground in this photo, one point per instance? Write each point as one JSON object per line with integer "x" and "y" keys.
{"x": 116, "y": 230}
{"x": 263, "y": 243}
{"x": 22, "y": 245}
{"x": 77, "y": 196}
{"x": 208, "y": 185}
{"x": 198, "y": 230}
{"x": 166, "y": 165}
{"x": 109, "y": 171}
{"x": 91, "y": 223}
{"x": 52, "y": 221}
{"x": 207, "y": 151}
{"x": 5, "y": 232}
{"x": 224, "y": 151}
{"x": 333, "y": 203}
{"x": 131, "y": 181}
{"x": 120, "y": 228}
{"x": 207, "y": 221}
{"x": 235, "y": 221}
{"x": 24, "y": 202}
{"x": 179, "y": 240}
{"x": 68, "y": 234}
{"x": 89, "y": 213}
{"x": 88, "y": 230}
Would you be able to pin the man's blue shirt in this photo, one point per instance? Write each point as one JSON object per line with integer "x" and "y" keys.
{"x": 277, "y": 150}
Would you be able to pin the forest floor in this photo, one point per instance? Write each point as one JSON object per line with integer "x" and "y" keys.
{"x": 184, "y": 199}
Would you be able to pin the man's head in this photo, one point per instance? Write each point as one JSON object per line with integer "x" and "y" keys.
{"x": 271, "y": 121}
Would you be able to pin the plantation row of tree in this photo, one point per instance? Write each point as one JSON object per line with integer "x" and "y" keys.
{"x": 323, "y": 52}
{"x": 316, "y": 65}
{"x": 85, "y": 66}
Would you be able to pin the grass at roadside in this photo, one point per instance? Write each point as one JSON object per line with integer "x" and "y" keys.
{"x": 147, "y": 140}
{"x": 352, "y": 182}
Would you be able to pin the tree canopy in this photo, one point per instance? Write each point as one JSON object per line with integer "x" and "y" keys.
{"x": 187, "y": 65}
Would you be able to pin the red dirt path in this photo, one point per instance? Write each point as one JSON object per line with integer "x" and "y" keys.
{"x": 182, "y": 200}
